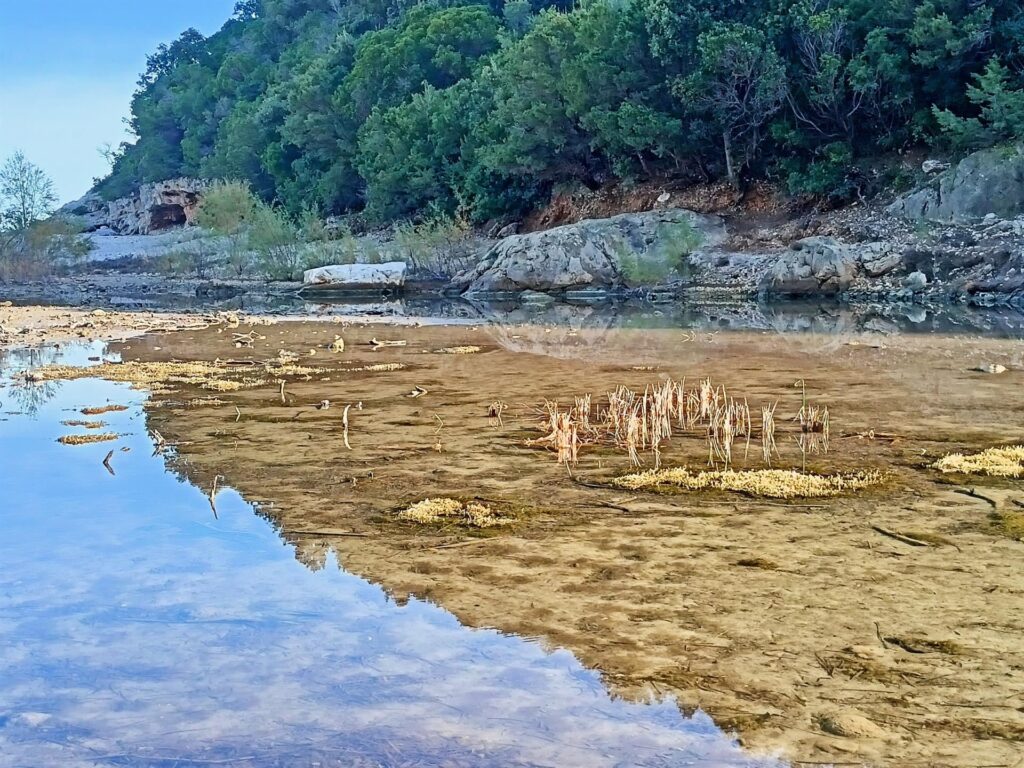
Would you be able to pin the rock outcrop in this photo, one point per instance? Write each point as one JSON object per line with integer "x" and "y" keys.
{"x": 987, "y": 183}
{"x": 599, "y": 254}
{"x": 155, "y": 207}
{"x": 823, "y": 266}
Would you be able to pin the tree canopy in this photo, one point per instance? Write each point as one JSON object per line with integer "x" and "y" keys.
{"x": 400, "y": 107}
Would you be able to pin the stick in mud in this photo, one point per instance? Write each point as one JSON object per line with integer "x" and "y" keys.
{"x": 344, "y": 423}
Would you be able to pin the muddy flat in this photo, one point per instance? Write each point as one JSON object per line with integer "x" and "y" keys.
{"x": 879, "y": 627}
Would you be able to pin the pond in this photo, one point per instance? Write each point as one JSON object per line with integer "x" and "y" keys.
{"x": 139, "y": 629}
{"x": 247, "y": 583}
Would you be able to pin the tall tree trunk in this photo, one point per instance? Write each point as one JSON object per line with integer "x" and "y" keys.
{"x": 730, "y": 168}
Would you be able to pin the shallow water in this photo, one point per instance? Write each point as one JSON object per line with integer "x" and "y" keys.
{"x": 138, "y": 628}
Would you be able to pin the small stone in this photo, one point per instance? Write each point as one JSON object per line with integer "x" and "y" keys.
{"x": 915, "y": 281}
{"x": 991, "y": 368}
{"x": 849, "y": 725}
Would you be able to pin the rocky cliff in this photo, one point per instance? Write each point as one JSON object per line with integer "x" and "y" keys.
{"x": 154, "y": 208}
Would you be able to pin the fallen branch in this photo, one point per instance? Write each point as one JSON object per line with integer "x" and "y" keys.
{"x": 900, "y": 537}
{"x": 344, "y": 422}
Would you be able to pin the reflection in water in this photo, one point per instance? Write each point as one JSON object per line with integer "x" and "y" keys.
{"x": 135, "y": 629}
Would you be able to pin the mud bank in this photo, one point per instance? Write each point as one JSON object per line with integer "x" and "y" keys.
{"x": 878, "y": 628}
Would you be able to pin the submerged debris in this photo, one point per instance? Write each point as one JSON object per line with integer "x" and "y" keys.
{"x": 105, "y": 437}
{"x": 769, "y": 483}
{"x": 472, "y": 514}
{"x": 996, "y": 462}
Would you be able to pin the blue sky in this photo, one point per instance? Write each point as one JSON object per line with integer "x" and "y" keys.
{"x": 68, "y": 69}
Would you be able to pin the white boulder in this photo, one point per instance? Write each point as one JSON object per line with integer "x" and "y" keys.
{"x": 357, "y": 276}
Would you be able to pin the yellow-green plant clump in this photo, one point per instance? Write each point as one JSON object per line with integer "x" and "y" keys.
{"x": 473, "y": 514}
{"x": 768, "y": 483}
{"x": 996, "y": 462}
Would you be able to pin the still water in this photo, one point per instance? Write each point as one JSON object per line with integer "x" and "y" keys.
{"x": 138, "y": 629}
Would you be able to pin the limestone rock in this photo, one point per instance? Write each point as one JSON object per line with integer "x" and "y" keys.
{"x": 354, "y": 277}
{"x": 153, "y": 208}
{"x": 986, "y": 183}
{"x": 622, "y": 251}
{"x": 813, "y": 267}
{"x": 90, "y": 211}
{"x": 156, "y": 207}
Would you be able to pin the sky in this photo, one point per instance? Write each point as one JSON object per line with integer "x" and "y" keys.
{"x": 68, "y": 70}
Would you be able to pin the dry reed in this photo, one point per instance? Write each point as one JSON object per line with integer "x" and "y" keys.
{"x": 472, "y": 514}
{"x": 87, "y": 439}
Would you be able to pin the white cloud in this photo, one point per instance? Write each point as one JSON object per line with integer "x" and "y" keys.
{"x": 60, "y": 125}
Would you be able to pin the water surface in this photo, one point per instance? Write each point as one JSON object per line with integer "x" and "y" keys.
{"x": 139, "y": 629}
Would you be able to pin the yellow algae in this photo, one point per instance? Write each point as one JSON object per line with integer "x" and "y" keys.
{"x": 87, "y": 439}
{"x": 769, "y": 483}
{"x": 996, "y": 462}
{"x": 472, "y": 514}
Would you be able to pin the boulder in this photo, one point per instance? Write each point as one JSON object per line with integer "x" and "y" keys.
{"x": 989, "y": 183}
{"x": 356, "y": 277}
{"x": 878, "y": 262}
{"x": 607, "y": 254}
{"x": 816, "y": 266}
{"x": 915, "y": 281}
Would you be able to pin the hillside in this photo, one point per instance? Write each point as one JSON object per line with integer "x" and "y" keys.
{"x": 401, "y": 109}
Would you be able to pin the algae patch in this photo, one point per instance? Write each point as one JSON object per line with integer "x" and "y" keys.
{"x": 472, "y": 514}
{"x": 995, "y": 462}
{"x": 768, "y": 483}
{"x": 87, "y": 439}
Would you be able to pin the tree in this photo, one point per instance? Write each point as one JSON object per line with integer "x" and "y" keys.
{"x": 26, "y": 193}
{"x": 1001, "y": 108}
{"x": 741, "y": 82}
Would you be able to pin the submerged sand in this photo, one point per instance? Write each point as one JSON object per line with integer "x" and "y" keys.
{"x": 883, "y": 626}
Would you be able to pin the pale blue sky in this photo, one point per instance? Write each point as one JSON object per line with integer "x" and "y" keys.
{"x": 68, "y": 69}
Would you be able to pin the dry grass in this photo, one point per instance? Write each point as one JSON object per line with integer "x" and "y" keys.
{"x": 768, "y": 483}
{"x": 995, "y": 462}
{"x": 472, "y": 514}
{"x": 467, "y": 350}
{"x": 87, "y": 439}
{"x": 85, "y": 424}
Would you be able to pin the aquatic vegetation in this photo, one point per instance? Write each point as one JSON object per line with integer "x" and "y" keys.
{"x": 1007, "y": 461}
{"x": 102, "y": 409}
{"x": 473, "y": 514}
{"x": 88, "y": 439}
{"x": 637, "y": 422}
{"x": 769, "y": 483}
{"x": 216, "y": 376}
{"x": 85, "y": 424}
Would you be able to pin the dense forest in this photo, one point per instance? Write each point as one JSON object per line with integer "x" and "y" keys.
{"x": 401, "y": 108}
